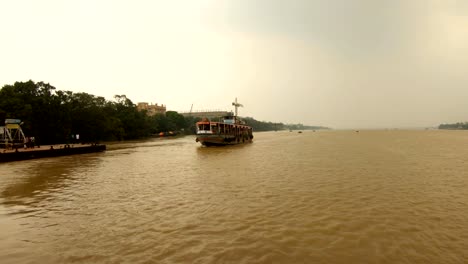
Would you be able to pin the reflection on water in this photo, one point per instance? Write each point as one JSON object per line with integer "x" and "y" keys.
{"x": 324, "y": 197}
{"x": 33, "y": 182}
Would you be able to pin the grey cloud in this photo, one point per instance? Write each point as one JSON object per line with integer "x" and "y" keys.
{"x": 353, "y": 28}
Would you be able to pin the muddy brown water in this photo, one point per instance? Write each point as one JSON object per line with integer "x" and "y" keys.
{"x": 317, "y": 197}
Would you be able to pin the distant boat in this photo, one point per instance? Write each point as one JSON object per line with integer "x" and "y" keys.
{"x": 230, "y": 130}
{"x": 168, "y": 134}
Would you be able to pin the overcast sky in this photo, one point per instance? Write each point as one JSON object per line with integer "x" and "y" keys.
{"x": 337, "y": 63}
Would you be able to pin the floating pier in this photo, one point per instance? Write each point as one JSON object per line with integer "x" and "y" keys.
{"x": 7, "y": 155}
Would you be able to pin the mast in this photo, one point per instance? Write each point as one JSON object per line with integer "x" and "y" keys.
{"x": 236, "y": 105}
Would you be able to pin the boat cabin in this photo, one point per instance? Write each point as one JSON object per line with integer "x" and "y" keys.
{"x": 228, "y": 126}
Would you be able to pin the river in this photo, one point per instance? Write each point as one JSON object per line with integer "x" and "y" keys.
{"x": 392, "y": 196}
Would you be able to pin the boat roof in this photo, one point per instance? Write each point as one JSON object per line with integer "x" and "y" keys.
{"x": 210, "y": 122}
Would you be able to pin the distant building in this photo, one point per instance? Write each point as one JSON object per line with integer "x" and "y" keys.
{"x": 152, "y": 109}
{"x": 208, "y": 114}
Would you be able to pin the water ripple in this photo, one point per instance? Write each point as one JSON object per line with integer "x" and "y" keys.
{"x": 324, "y": 197}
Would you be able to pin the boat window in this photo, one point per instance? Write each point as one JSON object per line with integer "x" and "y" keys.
{"x": 204, "y": 127}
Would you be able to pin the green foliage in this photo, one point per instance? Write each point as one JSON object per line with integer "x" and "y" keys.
{"x": 262, "y": 126}
{"x": 173, "y": 121}
{"x": 459, "y": 125}
{"x": 269, "y": 126}
{"x": 54, "y": 116}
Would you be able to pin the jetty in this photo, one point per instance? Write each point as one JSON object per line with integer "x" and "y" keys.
{"x": 7, "y": 155}
{"x": 15, "y": 146}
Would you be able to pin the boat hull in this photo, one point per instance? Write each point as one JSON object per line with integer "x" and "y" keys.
{"x": 220, "y": 140}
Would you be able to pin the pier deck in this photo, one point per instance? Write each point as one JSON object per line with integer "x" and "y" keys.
{"x": 44, "y": 151}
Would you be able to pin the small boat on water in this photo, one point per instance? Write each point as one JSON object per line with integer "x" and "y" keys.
{"x": 167, "y": 134}
{"x": 229, "y": 130}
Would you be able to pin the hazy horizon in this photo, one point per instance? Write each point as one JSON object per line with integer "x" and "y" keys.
{"x": 339, "y": 64}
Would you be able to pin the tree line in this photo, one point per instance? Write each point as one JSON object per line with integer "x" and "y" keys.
{"x": 53, "y": 116}
{"x": 459, "y": 125}
{"x": 272, "y": 126}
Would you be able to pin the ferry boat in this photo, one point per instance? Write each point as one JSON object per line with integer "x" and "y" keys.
{"x": 229, "y": 130}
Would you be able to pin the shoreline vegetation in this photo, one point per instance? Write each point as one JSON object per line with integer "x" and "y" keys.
{"x": 53, "y": 116}
{"x": 455, "y": 126}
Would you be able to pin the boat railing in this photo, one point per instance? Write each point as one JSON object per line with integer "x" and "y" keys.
{"x": 204, "y": 132}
